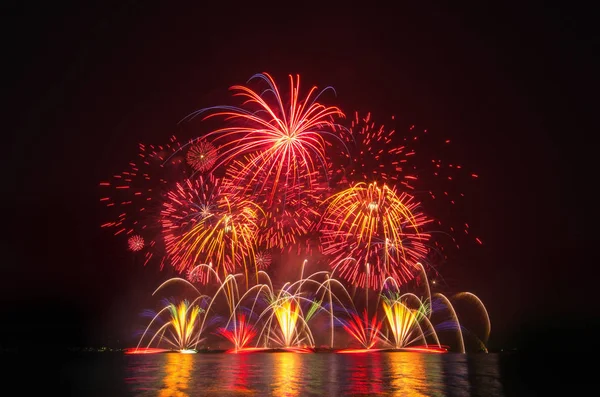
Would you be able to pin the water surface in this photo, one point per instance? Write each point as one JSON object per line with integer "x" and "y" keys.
{"x": 286, "y": 374}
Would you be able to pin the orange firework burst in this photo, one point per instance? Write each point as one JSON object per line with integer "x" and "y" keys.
{"x": 373, "y": 233}
{"x": 201, "y": 155}
{"x": 202, "y": 223}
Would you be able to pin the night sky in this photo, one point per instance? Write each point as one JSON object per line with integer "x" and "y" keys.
{"x": 509, "y": 86}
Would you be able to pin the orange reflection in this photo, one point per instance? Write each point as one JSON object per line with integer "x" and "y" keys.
{"x": 178, "y": 370}
{"x": 408, "y": 374}
{"x": 287, "y": 381}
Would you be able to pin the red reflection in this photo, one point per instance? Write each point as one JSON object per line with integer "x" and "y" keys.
{"x": 240, "y": 373}
{"x": 365, "y": 377}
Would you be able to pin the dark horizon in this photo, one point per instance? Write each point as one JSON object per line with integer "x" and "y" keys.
{"x": 506, "y": 85}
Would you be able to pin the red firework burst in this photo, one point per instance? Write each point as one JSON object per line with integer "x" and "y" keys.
{"x": 135, "y": 243}
{"x": 287, "y": 141}
{"x": 201, "y": 155}
{"x": 262, "y": 259}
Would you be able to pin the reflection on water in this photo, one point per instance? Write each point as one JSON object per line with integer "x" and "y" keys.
{"x": 290, "y": 374}
{"x": 456, "y": 375}
{"x": 178, "y": 370}
{"x": 287, "y": 377}
{"x": 239, "y": 381}
{"x": 408, "y": 375}
{"x": 365, "y": 373}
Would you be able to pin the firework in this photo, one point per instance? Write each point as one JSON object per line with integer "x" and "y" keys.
{"x": 377, "y": 154}
{"x": 290, "y": 216}
{"x": 199, "y": 274}
{"x": 283, "y": 318}
{"x": 377, "y": 230}
{"x": 403, "y": 322}
{"x": 201, "y": 155}
{"x": 135, "y": 243}
{"x": 262, "y": 259}
{"x": 133, "y": 197}
{"x": 183, "y": 323}
{"x": 202, "y": 223}
{"x": 281, "y": 174}
{"x": 287, "y": 313}
{"x": 364, "y": 331}
{"x": 239, "y": 333}
{"x": 289, "y": 137}
{"x": 180, "y": 329}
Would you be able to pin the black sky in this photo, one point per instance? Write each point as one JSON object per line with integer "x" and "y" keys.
{"x": 510, "y": 85}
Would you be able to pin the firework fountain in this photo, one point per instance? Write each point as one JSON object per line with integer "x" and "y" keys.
{"x": 285, "y": 177}
{"x": 291, "y": 318}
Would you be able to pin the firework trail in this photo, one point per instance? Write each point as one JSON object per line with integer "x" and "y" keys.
{"x": 292, "y": 213}
{"x": 239, "y": 334}
{"x": 288, "y": 317}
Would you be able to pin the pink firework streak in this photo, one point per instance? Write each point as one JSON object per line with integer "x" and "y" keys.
{"x": 239, "y": 333}
{"x": 377, "y": 154}
{"x": 364, "y": 331}
{"x": 133, "y": 197}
